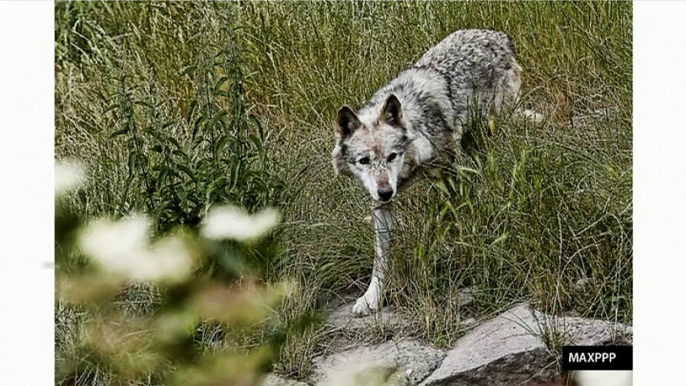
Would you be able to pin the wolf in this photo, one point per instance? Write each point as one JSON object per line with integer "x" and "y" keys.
{"x": 417, "y": 120}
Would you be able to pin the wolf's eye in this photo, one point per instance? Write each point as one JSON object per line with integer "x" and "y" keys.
{"x": 364, "y": 161}
{"x": 391, "y": 157}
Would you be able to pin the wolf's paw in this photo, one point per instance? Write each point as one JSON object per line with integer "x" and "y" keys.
{"x": 365, "y": 305}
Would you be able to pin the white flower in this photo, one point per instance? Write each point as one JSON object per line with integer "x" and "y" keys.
{"x": 230, "y": 222}
{"x": 107, "y": 241}
{"x": 122, "y": 248}
{"x": 68, "y": 175}
{"x": 359, "y": 374}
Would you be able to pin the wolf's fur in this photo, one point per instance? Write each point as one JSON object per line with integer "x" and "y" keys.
{"x": 418, "y": 118}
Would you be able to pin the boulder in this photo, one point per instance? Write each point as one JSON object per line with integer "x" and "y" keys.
{"x": 414, "y": 359}
{"x": 509, "y": 349}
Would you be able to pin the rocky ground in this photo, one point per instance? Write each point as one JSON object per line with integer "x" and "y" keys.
{"x": 516, "y": 347}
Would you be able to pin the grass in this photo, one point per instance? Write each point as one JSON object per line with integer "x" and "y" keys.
{"x": 541, "y": 212}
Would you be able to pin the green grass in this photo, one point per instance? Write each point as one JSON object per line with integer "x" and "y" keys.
{"x": 541, "y": 213}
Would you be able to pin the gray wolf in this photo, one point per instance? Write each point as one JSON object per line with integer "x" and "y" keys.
{"x": 418, "y": 119}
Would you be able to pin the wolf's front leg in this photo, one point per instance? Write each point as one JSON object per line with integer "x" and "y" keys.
{"x": 371, "y": 300}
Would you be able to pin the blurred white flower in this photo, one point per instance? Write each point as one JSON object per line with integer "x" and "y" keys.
{"x": 230, "y": 222}
{"x": 108, "y": 240}
{"x": 370, "y": 376}
{"x": 68, "y": 175}
{"x": 122, "y": 248}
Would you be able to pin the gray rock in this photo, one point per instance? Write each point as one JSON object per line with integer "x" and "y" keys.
{"x": 411, "y": 357}
{"x": 509, "y": 349}
{"x": 582, "y": 332}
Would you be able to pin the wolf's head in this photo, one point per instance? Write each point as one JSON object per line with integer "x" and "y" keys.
{"x": 372, "y": 148}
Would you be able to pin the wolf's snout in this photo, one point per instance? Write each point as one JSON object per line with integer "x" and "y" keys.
{"x": 385, "y": 194}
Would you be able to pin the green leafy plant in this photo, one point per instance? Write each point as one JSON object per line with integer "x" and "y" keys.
{"x": 222, "y": 157}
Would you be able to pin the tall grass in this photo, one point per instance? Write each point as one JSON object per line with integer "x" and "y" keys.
{"x": 178, "y": 105}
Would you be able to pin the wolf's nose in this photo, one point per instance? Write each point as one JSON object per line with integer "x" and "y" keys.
{"x": 385, "y": 194}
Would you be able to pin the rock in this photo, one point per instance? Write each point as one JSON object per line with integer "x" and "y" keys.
{"x": 587, "y": 332}
{"x": 509, "y": 349}
{"x": 414, "y": 359}
{"x": 506, "y": 350}
{"x": 275, "y": 380}
{"x": 504, "y": 344}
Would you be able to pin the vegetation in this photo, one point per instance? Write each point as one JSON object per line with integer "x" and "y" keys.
{"x": 178, "y": 106}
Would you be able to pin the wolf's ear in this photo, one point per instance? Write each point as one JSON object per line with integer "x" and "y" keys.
{"x": 391, "y": 113}
{"x": 346, "y": 122}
